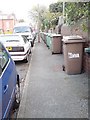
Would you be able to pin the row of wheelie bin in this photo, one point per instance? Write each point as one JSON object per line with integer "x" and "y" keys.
{"x": 52, "y": 41}
{"x": 72, "y": 47}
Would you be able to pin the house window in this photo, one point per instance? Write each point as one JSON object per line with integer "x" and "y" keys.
{"x": 7, "y": 25}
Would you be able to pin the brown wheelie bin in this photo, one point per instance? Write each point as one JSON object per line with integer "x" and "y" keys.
{"x": 73, "y": 51}
{"x": 56, "y": 46}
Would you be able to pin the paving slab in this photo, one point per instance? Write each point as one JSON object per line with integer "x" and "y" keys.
{"x": 51, "y": 93}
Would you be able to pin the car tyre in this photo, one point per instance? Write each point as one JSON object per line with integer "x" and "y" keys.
{"x": 26, "y": 59}
{"x": 31, "y": 44}
{"x": 17, "y": 94}
{"x": 30, "y": 52}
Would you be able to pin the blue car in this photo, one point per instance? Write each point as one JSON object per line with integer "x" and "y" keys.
{"x": 9, "y": 84}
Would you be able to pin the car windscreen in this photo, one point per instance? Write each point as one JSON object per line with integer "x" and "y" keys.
{"x": 4, "y": 39}
{"x": 3, "y": 58}
{"x": 22, "y": 29}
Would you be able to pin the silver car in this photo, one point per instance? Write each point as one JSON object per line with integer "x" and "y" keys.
{"x": 17, "y": 45}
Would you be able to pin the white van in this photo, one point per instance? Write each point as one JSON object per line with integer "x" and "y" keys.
{"x": 24, "y": 29}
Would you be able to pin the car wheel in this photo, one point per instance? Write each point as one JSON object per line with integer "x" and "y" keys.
{"x": 17, "y": 94}
{"x": 26, "y": 59}
{"x": 30, "y": 52}
{"x": 31, "y": 44}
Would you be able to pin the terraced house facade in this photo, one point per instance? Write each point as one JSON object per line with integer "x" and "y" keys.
{"x": 7, "y": 21}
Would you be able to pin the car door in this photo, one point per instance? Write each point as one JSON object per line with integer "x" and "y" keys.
{"x": 0, "y": 95}
{"x": 8, "y": 82}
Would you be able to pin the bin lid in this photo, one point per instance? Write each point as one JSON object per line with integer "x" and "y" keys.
{"x": 55, "y": 35}
{"x": 87, "y": 50}
{"x": 72, "y": 39}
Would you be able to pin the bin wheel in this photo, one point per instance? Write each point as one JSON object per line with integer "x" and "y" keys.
{"x": 52, "y": 53}
{"x": 63, "y": 67}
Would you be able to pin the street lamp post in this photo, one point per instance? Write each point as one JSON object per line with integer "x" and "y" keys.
{"x": 63, "y": 9}
{"x": 38, "y": 24}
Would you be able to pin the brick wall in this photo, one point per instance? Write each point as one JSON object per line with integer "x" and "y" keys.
{"x": 7, "y": 24}
{"x": 86, "y": 63}
{"x": 86, "y": 59}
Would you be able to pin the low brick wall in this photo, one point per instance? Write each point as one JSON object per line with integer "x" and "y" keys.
{"x": 86, "y": 64}
{"x": 86, "y": 59}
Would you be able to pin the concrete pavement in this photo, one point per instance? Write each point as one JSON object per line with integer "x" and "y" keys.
{"x": 49, "y": 92}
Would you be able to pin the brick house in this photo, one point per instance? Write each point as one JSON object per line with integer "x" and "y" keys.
{"x": 7, "y": 21}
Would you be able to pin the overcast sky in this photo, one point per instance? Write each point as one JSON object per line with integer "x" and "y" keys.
{"x": 21, "y": 7}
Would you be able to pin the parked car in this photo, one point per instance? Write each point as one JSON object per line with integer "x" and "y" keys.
{"x": 17, "y": 45}
{"x": 9, "y": 84}
{"x": 26, "y": 30}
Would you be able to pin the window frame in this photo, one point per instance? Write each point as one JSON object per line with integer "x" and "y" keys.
{"x": 4, "y": 56}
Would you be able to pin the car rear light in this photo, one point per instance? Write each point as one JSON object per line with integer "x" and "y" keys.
{"x": 21, "y": 49}
{"x": 15, "y": 49}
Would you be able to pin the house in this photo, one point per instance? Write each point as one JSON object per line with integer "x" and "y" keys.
{"x": 7, "y": 21}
